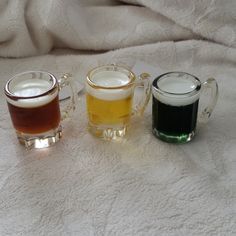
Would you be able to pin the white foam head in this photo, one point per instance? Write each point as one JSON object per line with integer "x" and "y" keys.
{"x": 176, "y": 89}
{"x": 28, "y": 87}
{"x": 108, "y": 80}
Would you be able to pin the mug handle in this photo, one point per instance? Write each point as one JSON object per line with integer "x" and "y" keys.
{"x": 142, "y": 82}
{"x": 206, "y": 112}
{"x": 66, "y": 80}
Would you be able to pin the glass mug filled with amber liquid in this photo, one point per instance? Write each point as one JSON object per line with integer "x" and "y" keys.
{"x": 109, "y": 95}
{"x": 33, "y": 102}
{"x": 175, "y": 107}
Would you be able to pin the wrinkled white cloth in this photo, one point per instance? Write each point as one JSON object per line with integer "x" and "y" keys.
{"x": 32, "y": 27}
{"x": 141, "y": 186}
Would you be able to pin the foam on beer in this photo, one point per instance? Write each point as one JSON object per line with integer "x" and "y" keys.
{"x": 29, "y": 88}
{"x": 178, "y": 88}
{"x": 109, "y": 79}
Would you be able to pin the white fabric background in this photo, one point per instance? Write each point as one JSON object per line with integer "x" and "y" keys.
{"x": 141, "y": 186}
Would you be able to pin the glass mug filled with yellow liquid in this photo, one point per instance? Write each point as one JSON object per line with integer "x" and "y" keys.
{"x": 109, "y": 93}
{"x": 33, "y": 103}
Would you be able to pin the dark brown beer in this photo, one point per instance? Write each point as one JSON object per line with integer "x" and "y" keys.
{"x": 35, "y": 120}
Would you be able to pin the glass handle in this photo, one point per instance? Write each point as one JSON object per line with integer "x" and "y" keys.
{"x": 143, "y": 82}
{"x": 211, "y": 85}
{"x": 66, "y": 80}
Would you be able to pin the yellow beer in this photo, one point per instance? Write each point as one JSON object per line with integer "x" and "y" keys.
{"x": 109, "y": 112}
{"x": 109, "y": 94}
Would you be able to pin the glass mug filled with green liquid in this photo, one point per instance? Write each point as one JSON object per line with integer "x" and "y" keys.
{"x": 33, "y": 102}
{"x": 109, "y": 95}
{"x": 175, "y": 105}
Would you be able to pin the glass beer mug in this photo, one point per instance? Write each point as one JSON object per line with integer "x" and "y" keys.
{"x": 33, "y": 103}
{"x": 110, "y": 91}
{"x": 175, "y": 105}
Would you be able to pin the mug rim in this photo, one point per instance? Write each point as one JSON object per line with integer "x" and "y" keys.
{"x": 187, "y": 94}
{"x": 50, "y": 90}
{"x": 124, "y": 68}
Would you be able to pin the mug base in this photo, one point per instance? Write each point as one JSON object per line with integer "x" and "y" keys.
{"x": 42, "y": 140}
{"x": 108, "y": 133}
{"x": 182, "y": 138}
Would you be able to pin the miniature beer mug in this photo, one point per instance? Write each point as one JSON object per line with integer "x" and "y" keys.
{"x": 33, "y": 103}
{"x": 175, "y": 105}
{"x": 110, "y": 91}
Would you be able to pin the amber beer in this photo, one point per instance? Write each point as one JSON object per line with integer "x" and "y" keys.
{"x": 33, "y": 103}
{"x": 35, "y": 118}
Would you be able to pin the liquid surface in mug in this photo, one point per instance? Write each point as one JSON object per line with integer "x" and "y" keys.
{"x": 109, "y": 106}
{"x": 34, "y": 115}
{"x": 110, "y": 78}
{"x": 176, "y": 84}
{"x": 175, "y": 88}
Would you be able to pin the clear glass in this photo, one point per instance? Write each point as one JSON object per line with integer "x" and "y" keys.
{"x": 33, "y": 103}
{"x": 109, "y": 96}
{"x": 175, "y": 108}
